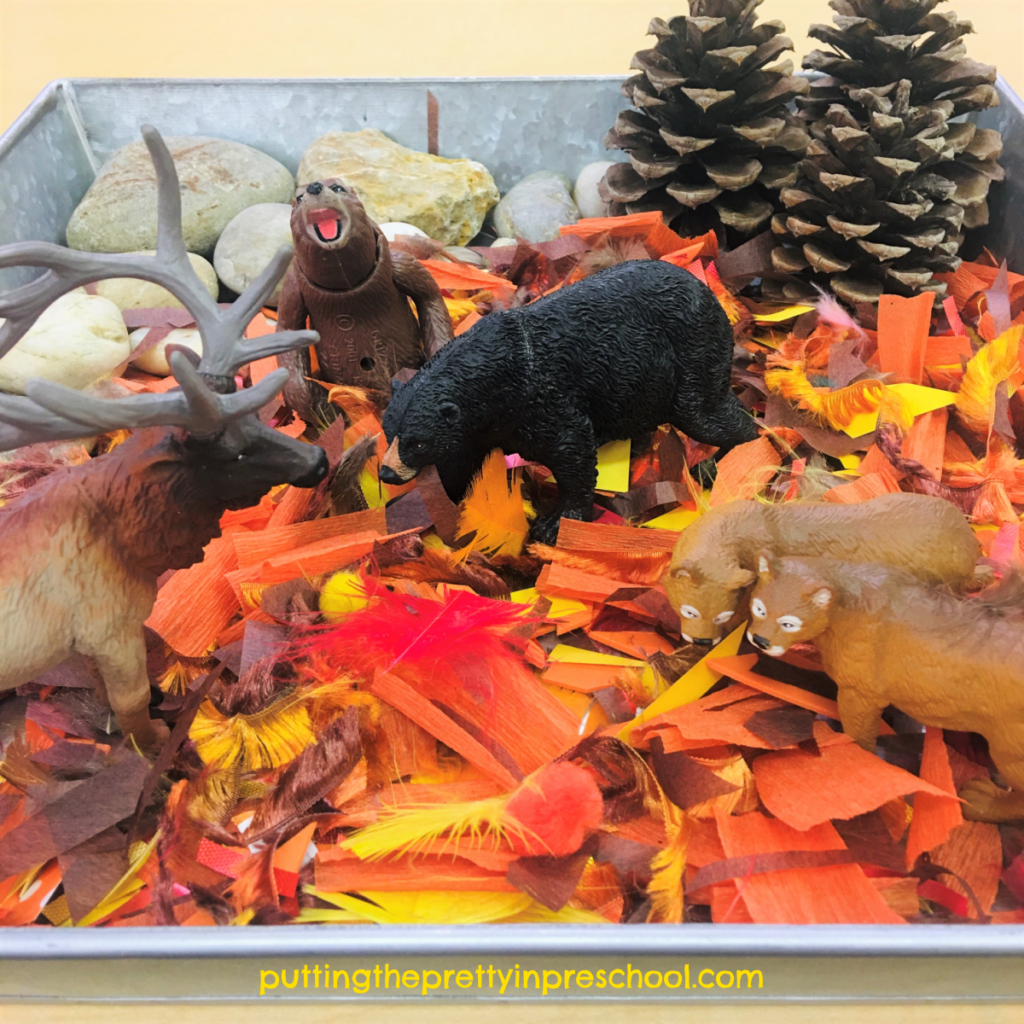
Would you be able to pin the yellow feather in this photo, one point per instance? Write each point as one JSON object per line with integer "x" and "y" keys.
{"x": 495, "y": 511}
{"x": 410, "y": 829}
{"x": 838, "y": 409}
{"x": 181, "y": 673}
{"x": 267, "y": 739}
{"x": 976, "y": 399}
{"x": 669, "y": 866}
{"x": 429, "y": 906}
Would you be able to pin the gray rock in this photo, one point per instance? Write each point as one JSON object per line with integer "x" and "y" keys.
{"x": 247, "y": 245}
{"x": 585, "y": 192}
{"x": 219, "y": 179}
{"x": 536, "y": 208}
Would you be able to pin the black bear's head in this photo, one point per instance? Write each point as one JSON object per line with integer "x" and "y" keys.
{"x": 423, "y": 425}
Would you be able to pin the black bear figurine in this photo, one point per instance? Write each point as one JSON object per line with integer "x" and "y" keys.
{"x": 613, "y": 357}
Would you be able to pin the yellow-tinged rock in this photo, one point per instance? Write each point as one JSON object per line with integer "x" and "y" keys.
{"x": 447, "y": 199}
{"x": 134, "y": 293}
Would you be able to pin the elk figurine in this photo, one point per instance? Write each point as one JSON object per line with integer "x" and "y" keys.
{"x": 83, "y": 549}
{"x": 887, "y": 638}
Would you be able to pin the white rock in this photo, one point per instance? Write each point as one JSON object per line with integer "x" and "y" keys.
{"x": 77, "y": 341}
{"x": 134, "y": 293}
{"x": 218, "y": 178}
{"x": 499, "y": 243}
{"x": 155, "y": 360}
{"x": 585, "y": 193}
{"x": 394, "y": 228}
{"x": 248, "y": 244}
{"x": 446, "y": 199}
{"x": 536, "y": 207}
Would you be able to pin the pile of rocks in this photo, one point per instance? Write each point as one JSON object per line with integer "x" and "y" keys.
{"x": 236, "y": 208}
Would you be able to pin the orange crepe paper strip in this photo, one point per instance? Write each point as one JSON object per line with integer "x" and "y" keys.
{"x": 804, "y": 791}
{"x": 947, "y": 350}
{"x": 740, "y": 668}
{"x": 260, "y": 368}
{"x": 520, "y": 715}
{"x": 926, "y": 442}
{"x": 836, "y": 894}
{"x": 23, "y": 910}
{"x": 712, "y": 720}
{"x": 574, "y": 535}
{"x": 319, "y": 557}
{"x": 255, "y": 517}
{"x": 559, "y": 581}
{"x": 974, "y": 851}
{"x": 636, "y": 643}
{"x": 745, "y": 471}
{"x": 342, "y": 871}
{"x": 648, "y": 226}
{"x": 196, "y": 604}
{"x": 461, "y": 277}
{"x": 292, "y": 507}
{"x": 937, "y": 809}
{"x": 401, "y": 696}
{"x": 466, "y": 322}
{"x": 867, "y": 487}
{"x": 903, "y": 326}
{"x": 583, "y": 678}
{"x": 256, "y": 548}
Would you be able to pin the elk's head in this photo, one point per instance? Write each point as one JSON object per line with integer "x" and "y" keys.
{"x": 232, "y": 457}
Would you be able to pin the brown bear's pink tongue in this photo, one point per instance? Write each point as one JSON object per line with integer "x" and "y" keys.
{"x": 327, "y": 224}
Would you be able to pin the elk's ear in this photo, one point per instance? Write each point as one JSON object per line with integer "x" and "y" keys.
{"x": 766, "y": 563}
{"x": 821, "y": 596}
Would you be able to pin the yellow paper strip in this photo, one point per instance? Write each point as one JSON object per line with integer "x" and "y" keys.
{"x": 917, "y": 399}
{"x": 613, "y": 466}
{"x": 677, "y": 519}
{"x": 575, "y": 656}
{"x": 563, "y": 607}
{"x": 529, "y": 596}
{"x": 690, "y": 687}
{"x": 789, "y": 313}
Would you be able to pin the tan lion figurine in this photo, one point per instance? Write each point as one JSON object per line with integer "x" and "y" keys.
{"x": 714, "y": 562}
{"x": 887, "y": 638}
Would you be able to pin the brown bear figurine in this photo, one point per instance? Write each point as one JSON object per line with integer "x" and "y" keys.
{"x": 356, "y": 293}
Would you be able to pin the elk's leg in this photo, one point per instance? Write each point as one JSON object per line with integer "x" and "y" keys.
{"x": 860, "y": 714}
{"x": 123, "y": 667}
{"x": 985, "y": 800}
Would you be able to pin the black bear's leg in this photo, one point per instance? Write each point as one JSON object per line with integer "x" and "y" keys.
{"x": 573, "y": 460}
{"x": 722, "y": 420}
{"x": 457, "y": 474}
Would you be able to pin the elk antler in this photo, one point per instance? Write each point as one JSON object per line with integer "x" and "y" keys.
{"x": 206, "y": 403}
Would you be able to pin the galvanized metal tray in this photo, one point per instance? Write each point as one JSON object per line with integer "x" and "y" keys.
{"x": 514, "y": 126}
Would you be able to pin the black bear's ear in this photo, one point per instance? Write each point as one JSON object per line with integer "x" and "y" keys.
{"x": 449, "y": 413}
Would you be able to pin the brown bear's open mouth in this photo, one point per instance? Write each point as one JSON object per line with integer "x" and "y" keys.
{"x": 328, "y": 230}
{"x": 325, "y": 225}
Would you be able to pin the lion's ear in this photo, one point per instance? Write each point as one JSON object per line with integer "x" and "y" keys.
{"x": 766, "y": 562}
{"x": 741, "y": 579}
{"x": 821, "y": 596}
{"x": 684, "y": 571}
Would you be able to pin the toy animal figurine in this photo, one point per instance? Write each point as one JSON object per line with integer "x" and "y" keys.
{"x": 887, "y": 638}
{"x": 713, "y": 563}
{"x": 618, "y": 354}
{"x": 356, "y": 293}
{"x": 82, "y": 550}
